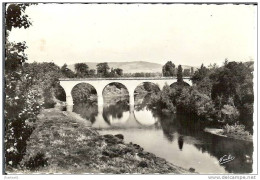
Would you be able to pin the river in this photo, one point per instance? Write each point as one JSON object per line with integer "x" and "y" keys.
{"x": 179, "y": 139}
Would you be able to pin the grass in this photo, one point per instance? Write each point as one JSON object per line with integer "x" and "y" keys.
{"x": 62, "y": 142}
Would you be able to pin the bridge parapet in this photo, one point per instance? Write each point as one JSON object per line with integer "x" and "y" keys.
{"x": 122, "y": 78}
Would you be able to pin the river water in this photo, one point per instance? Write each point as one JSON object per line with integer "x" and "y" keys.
{"x": 179, "y": 139}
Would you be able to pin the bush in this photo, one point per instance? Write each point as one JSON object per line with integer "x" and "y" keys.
{"x": 82, "y": 93}
{"x": 22, "y": 104}
{"x": 236, "y": 130}
{"x": 229, "y": 113}
{"x": 166, "y": 99}
{"x": 191, "y": 101}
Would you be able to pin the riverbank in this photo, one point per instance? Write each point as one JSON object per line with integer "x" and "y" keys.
{"x": 63, "y": 142}
{"x": 232, "y": 135}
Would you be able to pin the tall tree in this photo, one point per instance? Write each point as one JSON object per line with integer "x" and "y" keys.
{"x": 103, "y": 69}
{"x": 82, "y": 70}
{"x": 179, "y": 74}
{"x": 168, "y": 69}
{"x": 21, "y": 98}
{"x": 191, "y": 70}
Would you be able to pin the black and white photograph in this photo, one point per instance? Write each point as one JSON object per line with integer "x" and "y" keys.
{"x": 129, "y": 88}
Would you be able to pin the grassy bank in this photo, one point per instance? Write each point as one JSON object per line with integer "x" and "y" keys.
{"x": 62, "y": 142}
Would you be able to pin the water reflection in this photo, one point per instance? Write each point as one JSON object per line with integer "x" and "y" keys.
{"x": 180, "y": 142}
{"x": 116, "y": 110}
{"x": 143, "y": 114}
{"x": 88, "y": 110}
{"x": 179, "y": 138}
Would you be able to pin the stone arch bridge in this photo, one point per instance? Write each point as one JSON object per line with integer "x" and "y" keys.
{"x": 130, "y": 83}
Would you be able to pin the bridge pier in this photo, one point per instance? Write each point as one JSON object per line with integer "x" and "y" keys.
{"x": 100, "y": 97}
{"x": 69, "y": 100}
{"x": 131, "y": 97}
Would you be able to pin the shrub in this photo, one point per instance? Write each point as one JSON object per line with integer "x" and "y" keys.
{"x": 229, "y": 113}
{"x": 22, "y": 104}
{"x": 236, "y": 130}
{"x": 82, "y": 93}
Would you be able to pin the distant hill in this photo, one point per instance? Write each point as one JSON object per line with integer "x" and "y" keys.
{"x": 132, "y": 67}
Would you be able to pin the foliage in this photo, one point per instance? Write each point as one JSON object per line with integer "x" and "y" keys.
{"x": 205, "y": 86}
{"x": 23, "y": 98}
{"x": 222, "y": 94}
{"x": 229, "y": 113}
{"x": 186, "y": 72}
{"x": 22, "y": 104}
{"x": 179, "y": 74}
{"x": 142, "y": 74}
{"x": 14, "y": 56}
{"x": 117, "y": 72}
{"x": 233, "y": 80}
{"x": 191, "y": 71}
{"x": 200, "y": 74}
{"x": 67, "y": 72}
{"x": 191, "y": 101}
{"x": 46, "y": 76}
{"x": 237, "y": 131}
{"x": 150, "y": 87}
{"x": 168, "y": 69}
{"x": 103, "y": 69}
{"x": 82, "y": 70}
{"x": 165, "y": 100}
{"x": 15, "y": 17}
{"x": 82, "y": 93}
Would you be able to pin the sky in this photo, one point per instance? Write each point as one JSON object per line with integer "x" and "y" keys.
{"x": 184, "y": 34}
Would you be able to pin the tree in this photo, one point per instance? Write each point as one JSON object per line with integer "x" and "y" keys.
{"x": 119, "y": 71}
{"x": 67, "y": 72}
{"x": 92, "y": 72}
{"x": 233, "y": 80}
{"x": 82, "y": 70}
{"x": 15, "y": 17}
{"x": 102, "y": 69}
{"x": 191, "y": 70}
{"x": 186, "y": 72}
{"x": 200, "y": 74}
{"x": 22, "y": 99}
{"x": 168, "y": 69}
{"x": 179, "y": 74}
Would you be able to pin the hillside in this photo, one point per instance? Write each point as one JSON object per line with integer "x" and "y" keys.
{"x": 132, "y": 67}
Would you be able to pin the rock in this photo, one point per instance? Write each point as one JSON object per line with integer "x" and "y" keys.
{"x": 119, "y": 136}
{"x": 192, "y": 170}
{"x": 109, "y": 154}
{"x": 142, "y": 164}
{"x": 112, "y": 140}
{"x": 105, "y": 153}
{"x": 104, "y": 158}
{"x": 108, "y": 136}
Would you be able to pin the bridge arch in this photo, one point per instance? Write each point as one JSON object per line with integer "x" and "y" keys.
{"x": 82, "y": 92}
{"x": 179, "y": 83}
{"x": 117, "y": 85}
{"x": 148, "y": 86}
